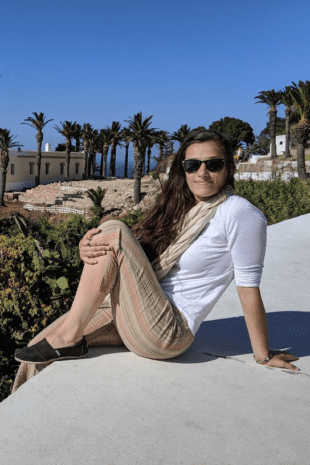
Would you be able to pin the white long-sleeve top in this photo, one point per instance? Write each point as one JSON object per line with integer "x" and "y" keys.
{"x": 231, "y": 246}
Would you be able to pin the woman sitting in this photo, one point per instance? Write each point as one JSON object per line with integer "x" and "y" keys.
{"x": 165, "y": 276}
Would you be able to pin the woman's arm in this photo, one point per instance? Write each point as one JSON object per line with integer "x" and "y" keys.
{"x": 256, "y": 321}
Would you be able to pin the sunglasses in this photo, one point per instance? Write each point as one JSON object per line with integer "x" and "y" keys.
{"x": 213, "y": 164}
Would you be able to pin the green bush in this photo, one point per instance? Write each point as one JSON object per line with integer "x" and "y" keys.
{"x": 20, "y": 311}
{"x": 278, "y": 200}
{"x": 133, "y": 218}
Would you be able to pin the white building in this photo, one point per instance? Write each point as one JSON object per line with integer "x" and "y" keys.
{"x": 21, "y": 168}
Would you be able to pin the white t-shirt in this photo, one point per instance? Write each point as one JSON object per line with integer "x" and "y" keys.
{"x": 232, "y": 245}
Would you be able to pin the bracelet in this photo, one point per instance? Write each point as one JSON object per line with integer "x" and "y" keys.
{"x": 270, "y": 355}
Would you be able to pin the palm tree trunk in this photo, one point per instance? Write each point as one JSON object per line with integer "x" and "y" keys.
{"x": 301, "y": 165}
{"x": 39, "y": 137}
{"x": 68, "y": 152}
{"x": 113, "y": 158}
{"x": 2, "y": 186}
{"x": 4, "y": 161}
{"x": 85, "y": 159}
{"x": 161, "y": 149}
{"x": 288, "y": 133}
{"x": 138, "y": 170}
{"x": 149, "y": 151}
{"x": 126, "y": 162}
{"x": 144, "y": 156}
{"x": 273, "y": 121}
{"x": 77, "y": 144}
{"x": 103, "y": 167}
{"x": 101, "y": 163}
{"x": 92, "y": 162}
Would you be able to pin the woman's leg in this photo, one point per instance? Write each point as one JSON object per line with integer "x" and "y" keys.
{"x": 143, "y": 316}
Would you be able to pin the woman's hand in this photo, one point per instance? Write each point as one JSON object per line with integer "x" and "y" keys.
{"x": 282, "y": 360}
{"x": 88, "y": 253}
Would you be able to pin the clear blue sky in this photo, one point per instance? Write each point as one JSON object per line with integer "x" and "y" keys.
{"x": 184, "y": 62}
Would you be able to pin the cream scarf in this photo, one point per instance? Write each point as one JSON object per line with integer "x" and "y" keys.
{"x": 195, "y": 221}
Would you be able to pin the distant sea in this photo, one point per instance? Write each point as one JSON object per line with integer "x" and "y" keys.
{"x": 120, "y": 166}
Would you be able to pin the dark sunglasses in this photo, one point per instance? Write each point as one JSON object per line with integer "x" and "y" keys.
{"x": 213, "y": 164}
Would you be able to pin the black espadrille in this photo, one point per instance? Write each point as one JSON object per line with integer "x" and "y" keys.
{"x": 43, "y": 352}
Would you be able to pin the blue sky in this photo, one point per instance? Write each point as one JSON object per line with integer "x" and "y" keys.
{"x": 184, "y": 62}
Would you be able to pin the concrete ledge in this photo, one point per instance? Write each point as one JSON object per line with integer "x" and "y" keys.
{"x": 211, "y": 406}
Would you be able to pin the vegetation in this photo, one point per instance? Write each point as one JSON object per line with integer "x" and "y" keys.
{"x": 68, "y": 131}
{"x": 272, "y": 99}
{"x": 141, "y": 136}
{"x": 86, "y": 135}
{"x": 286, "y": 99}
{"x": 236, "y": 130}
{"x": 6, "y": 143}
{"x": 116, "y": 137}
{"x": 181, "y": 134}
{"x": 301, "y": 100}
{"x": 97, "y": 197}
{"x": 38, "y": 122}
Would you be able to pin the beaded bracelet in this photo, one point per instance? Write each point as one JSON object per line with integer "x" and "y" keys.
{"x": 270, "y": 355}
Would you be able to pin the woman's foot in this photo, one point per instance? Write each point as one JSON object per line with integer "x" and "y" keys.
{"x": 43, "y": 352}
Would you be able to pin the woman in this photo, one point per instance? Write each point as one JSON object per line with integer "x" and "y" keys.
{"x": 196, "y": 239}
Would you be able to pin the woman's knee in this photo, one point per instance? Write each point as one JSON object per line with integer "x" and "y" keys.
{"x": 111, "y": 225}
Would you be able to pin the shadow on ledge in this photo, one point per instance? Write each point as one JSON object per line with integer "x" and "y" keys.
{"x": 229, "y": 337}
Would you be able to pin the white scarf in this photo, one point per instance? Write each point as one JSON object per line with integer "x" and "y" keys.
{"x": 195, "y": 221}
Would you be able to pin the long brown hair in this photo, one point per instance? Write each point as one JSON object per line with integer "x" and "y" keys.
{"x": 163, "y": 221}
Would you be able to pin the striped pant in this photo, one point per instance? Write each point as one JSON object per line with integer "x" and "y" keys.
{"x": 135, "y": 313}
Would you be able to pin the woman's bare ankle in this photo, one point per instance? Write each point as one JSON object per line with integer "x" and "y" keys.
{"x": 63, "y": 340}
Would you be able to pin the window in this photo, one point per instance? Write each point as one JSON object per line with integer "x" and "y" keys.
{"x": 47, "y": 168}
{"x": 12, "y": 168}
{"x": 62, "y": 168}
{"x": 31, "y": 167}
{"x": 77, "y": 166}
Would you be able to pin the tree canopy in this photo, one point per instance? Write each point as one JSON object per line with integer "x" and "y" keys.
{"x": 236, "y": 130}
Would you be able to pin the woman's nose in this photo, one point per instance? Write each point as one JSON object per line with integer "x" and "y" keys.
{"x": 203, "y": 170}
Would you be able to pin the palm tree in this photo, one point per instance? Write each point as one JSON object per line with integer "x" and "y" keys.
{"x": 115, "y": 141}
{"x": 97, "y": 197}
{"x": 104, "y": 142}
{"x": 77, "y": 137}
{"x": 162, "y": 138}
{"x": 92, "y": 152}
{"x": 301, "y": 98}
{"x": 286, "y": 99}
{"x": 182, "y": 132}
{"x": 38, "y": 123}
{"x": 149, "y": 152}
{"x": 126, "y": 137}
{"x": 141, "y": 136}
{"x": 271, "y": 98}
{"x": 68, "y": 131}
{"x": 86, "y": 135}
{"x": 6, "y": 143}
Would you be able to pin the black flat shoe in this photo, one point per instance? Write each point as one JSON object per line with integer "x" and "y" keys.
{"x": 43, "y": 352}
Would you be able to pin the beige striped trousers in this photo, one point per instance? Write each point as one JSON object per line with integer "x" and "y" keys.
{"x": 138, "y": 314}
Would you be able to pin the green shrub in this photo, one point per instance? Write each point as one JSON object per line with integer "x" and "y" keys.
{"x": 133, "y": 218}
{"x": 154, "y": 175}
{"x": 20, "y": 311}
{"x": 278, "y": 200}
